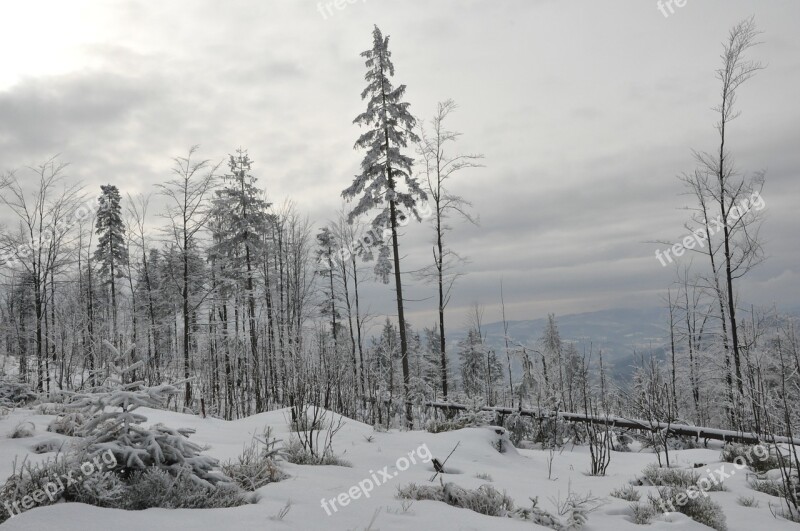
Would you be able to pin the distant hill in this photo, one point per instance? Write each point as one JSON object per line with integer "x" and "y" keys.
{"x": 621, "y": 334}
{"x": 618, "y": 333}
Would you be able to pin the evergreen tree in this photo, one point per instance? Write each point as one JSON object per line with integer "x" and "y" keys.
{"x": 326, "y": 270}
{"x": 244, "y": 223}
{"x": 385, "y": 170}
{"x": 112, "y": 251}
{"x": 480, "y": 368}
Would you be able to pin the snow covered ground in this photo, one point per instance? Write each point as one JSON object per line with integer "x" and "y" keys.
{"x": 523, "y": 474}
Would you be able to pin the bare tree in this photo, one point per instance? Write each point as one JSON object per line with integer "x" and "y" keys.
{"x": 440, "y": 167}
{"x": 187, "y": 194}
{"x": 731, "y": 239}
{"x": 45, "y": 212}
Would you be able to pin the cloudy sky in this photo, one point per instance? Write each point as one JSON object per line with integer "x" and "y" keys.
{"x": 585, "y": 111}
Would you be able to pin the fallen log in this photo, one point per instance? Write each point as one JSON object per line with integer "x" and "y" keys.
{"x": 686, "y": 430}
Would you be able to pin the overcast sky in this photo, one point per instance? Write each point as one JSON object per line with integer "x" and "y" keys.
{"x": 585, "y": 111}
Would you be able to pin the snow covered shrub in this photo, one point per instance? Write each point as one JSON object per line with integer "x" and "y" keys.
{"x": 627, "y": 493}
{"x": 440, "y": 426}
{"x": 518, "y": 428}
{"x": 105, "y": 489}
{"x": 484, "y": 476}
{"x": 23, "y": 430}
{"x": 14, "y": 393}
{"x": 67, "y": 424}
{"x": 621, "y": 442}
{"x": 27, "y": 479}
{"x": 314, "y": 444}
{"x": 297, "y": 453}
{"x": 768, "y": 486}
{"x": 656, "y": 476}
{"x": 257, "y": 465}
{"x": 642, "y": 514}
{"x": 502, "y": 443}
{"x": 551, "y": 432}
{"x": 155, "y": 487}
{"x": 747, "y": 501}
{"x": 758, "y": 457}
{"x": 484, "y": 500}
{"x": 487, "y": 500}
{"x": 701, "y": 509}
{"x": 47, "y": 446}
{"x": 114, "y": 425}
{"x": 51, "y": 408}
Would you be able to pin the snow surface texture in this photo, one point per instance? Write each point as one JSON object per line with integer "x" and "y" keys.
{"x": 522, "y": 474}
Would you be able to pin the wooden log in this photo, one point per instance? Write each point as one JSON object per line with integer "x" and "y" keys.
{"x": 686, "y": 430}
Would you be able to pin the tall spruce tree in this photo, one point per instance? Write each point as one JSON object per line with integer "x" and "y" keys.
{"x": 385, "y": 181}
{"x": 112, "y": 251}
{"x": 244, "y": 223}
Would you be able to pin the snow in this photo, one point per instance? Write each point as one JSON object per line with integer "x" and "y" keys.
{"x": 522, "y": 474}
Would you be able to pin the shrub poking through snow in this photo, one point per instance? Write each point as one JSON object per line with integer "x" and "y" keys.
{"x": 257, "y": 465}
{"x": 14, "y": 394}
{"x": 627, "y": 493}
{"x": 156, "y": 487}
{"x": 656, "y": 476}
{"x": 23, "y": 431}
{"x": 518, "y": 428}
{"x": 67, "y": 424}
{"x": 701, "y": 509}
{"x": 441, "y": 426}
{"x": 311, "y": 442}
{"x": 297, "y": 453}
{"x": 768, "y": 486}
{"x": 757, "y": 457}
{"x": 747, "y": 501}
{"x": 487, "y": 500}
{"x": 642, "y": 514}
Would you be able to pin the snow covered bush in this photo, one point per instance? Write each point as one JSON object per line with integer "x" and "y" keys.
{"x": 484, "y": 500}
{"x": 311, "y": 442}
{"x": 642, "y": 514}
{"x": 768, "y": 486}
{"x": 518, "y": 428}
{"x": 487, "y": 500}
{"x": 627, "y": 493}
{"x": 441, "y": 426}
{"x": 114, "y": 425}
{"x": 23, "y": 431}
{"x": 701, "y": 509}
{"x": 14, "y": 394}
{"x": 47, "y": 446}
{"x": 297, "y": 453}
{"x": 67, "y": 424}
{"x": 257, "y": 465}
{"x": 656, "y": 476}
{"x": 156, "y": 487}
{"x": 757, "y": 457}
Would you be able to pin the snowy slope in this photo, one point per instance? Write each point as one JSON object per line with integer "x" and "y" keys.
{"x": 522, "y": 474}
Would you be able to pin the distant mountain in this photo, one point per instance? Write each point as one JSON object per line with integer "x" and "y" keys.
{"x": 621, "y": 334}
{"x": 618, "y": 333}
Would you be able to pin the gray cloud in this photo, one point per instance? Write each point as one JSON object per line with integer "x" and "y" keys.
{"x": 585, "y": 111}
